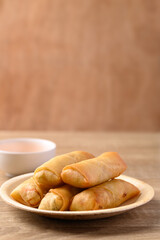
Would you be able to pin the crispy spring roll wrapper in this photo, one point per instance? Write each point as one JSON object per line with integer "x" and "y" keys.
{"x": 48, "y": 175}
{"x": 94, "y": 171}
{"x": 58, "y": 199}
{"x": 28, "y": 193}
{"x": 107, "y": 195}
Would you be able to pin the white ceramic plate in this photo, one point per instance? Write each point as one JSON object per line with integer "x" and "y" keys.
{"x": 146, "y": 195}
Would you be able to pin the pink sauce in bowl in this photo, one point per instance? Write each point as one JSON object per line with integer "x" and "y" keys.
{"x": 23, "y": 155}
{"x": 24, "y": 145}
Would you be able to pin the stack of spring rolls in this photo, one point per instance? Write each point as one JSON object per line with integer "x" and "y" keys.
{"x": 77, "y": 181}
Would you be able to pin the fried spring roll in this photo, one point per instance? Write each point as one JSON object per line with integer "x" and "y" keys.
{"x": 28, "y": 193}
{"x": 107, "y": 195}
{"x": 58, "y": 199}
{"x": 94, "y": 171}
{"x": 48, "y": 175}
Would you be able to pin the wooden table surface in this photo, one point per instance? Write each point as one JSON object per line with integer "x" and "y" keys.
{"x": 141, "y": 152}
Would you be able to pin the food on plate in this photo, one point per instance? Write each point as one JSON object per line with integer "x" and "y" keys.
{"x": 48, "y": 175}
{"x": 58, "y": 199}
{"x": 107, "y": 195}
{"x": 94, "y": 171}
{"x": 58, "y": 184}
{"x": 28, "y": 193}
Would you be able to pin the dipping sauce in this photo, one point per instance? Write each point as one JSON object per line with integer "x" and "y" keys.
{"x": 23, "y": 146}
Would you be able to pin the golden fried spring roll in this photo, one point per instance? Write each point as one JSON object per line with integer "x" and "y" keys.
{"x": 48, "y": 175}
{"x": 94, "y": 171}
{"x": 107, "y": 195}
{"x": 28, "y": 193}
{"x": 58, "y": 199}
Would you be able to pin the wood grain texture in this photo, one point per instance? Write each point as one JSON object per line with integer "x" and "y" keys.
{"x": 80, "y": 65}
{"x": 142, "y": 155}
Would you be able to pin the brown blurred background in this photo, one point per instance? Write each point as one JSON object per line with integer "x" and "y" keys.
{"x": 80, "y": 65}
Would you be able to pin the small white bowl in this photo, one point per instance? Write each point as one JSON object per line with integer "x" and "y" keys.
{"x": 23, "y": 155}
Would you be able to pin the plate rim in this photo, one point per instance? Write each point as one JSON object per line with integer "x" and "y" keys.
{"x": 6, "y": 198}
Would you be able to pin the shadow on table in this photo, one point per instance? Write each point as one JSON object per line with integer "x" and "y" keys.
{"x": 137, "y": 220}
